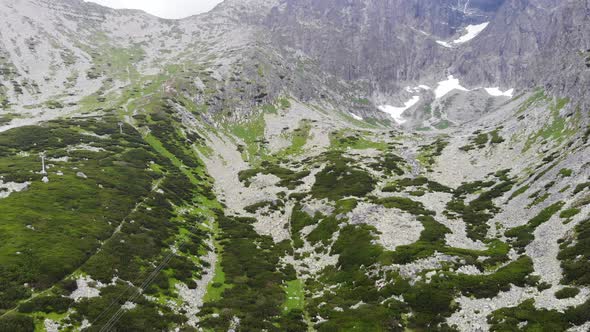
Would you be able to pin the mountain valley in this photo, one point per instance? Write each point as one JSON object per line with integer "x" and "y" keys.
{"x": 296, "y": 165}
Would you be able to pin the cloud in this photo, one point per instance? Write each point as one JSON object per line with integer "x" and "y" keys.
{"x": 163, "y": 8}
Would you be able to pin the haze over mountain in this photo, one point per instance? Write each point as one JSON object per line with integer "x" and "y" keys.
{"x": 174, "y": 9}
{"x": 296, "y": 165}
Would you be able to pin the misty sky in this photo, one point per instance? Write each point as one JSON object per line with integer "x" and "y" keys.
{"x": 163, "y": 8}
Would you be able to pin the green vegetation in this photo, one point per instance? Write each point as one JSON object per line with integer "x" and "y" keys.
{"x": 46, "y": 233}
{"x": 533, "y": 100}
{"x": 218, "y": 284}
{"x": 496, "y": 138}
{"x": 46, "y": 304}
{"x": 523, "y": 235}
{"x": 567, "y": 292}
{"x": 339, "y": 179}
{"x": 489, "y": 286}
{"x": 389, "y": 164}
{"x": 519, "y": 191}
{"x": 299, "y": 220}
{"x": 405, "y": 204}
{"x": 481, "y": 140}
{"x": 580, "y": 187}
{"x": 428, "y": 153}
{"x": 341, "y": 140}
{"x": 512, "y": 319}
{"x": 344, "y": 206}
{"x": 145, "y": 316}
{"x": 276, "y": 205}
{"x": 432, "y": 301}
{"x": 538, "y": 198}
{"x": 432, "y": 239}
{"x": 102, "y": 224}
{"x": 299, "y": 138}
{"x": 251, "y": 133}
{"x": 16, "y": 323}
{"x": 558, "y": 129}
{"x": 269, "y": 108}
{"x": 250, "y": 263}
{"x": 428, "y": 302}
{"x": 355, "y": 249}
{"x": 575, "y": 256}
{"x": 565, "y": 172}
{"x": 289, "y": 178}
{"x": 158, "y": 225}
{"x": 362, "y": 101}
{"x": 444, "y": 124}
{"x": 417, "y": 182}
{"x": 324, "y": 230}
{"x": 295, "y": 297}
{"x": 569, "y": 213}
{"x": 284, "y": 103}
{"x": 479, "y": 211}
{"x": 114, "y": 62}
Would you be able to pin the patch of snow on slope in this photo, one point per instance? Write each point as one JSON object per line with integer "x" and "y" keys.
{"x": 496, "y": 92}
{"x": 420, "y": 31}
{"x": 396, "y": 112}
{"x": 447, "y": 86}
{"x": 356, "y": 117}
{"x": 443, "y": 43}
{"x": 417, "y": 89}
{"x": 472, "y": 32}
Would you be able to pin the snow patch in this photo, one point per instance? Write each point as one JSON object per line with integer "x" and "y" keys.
{"x": 472, "y": 32}
{"x": 496, "y": 92}
{"x": 444, "y": 43}
{"x": 447, "y": 86}
{"x": 417, "y": 89}
{"x": 356, "y": 117}
{"x": 396, "y": 112}
{"x": 420, "y": 31}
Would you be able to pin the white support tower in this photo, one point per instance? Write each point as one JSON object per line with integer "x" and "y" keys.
{"x": 43, "y": 171}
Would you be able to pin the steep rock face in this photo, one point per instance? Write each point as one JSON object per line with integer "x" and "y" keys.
{"x": 243, "y": 11}
{"x": 53, "y": 46}
{"x": 532, "y": 43}
{"x": 391, "y": 42}
{"x": 377, "y": 46}
{"x": 387, "y": 41}
{"x": 57, "y": 53}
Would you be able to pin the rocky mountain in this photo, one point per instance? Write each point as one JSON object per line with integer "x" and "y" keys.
{"x": 295, "y": 165}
